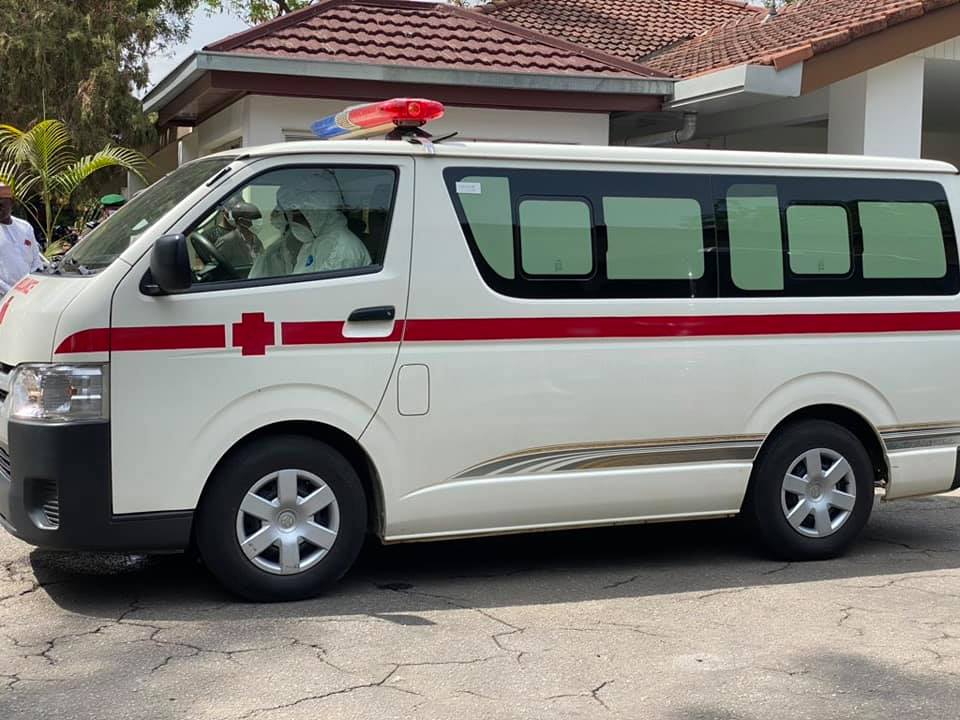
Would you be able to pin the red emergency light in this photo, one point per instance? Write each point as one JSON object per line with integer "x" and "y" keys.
{"x": 378, "y": 118}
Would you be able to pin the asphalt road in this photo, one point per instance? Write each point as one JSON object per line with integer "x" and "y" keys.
{"x": 661, "y": 621}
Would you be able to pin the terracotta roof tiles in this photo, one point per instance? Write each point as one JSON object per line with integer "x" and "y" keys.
{"x": 629, "y": 29}
{"x": 797, "y": 33}
{"x": 419, "y": 34}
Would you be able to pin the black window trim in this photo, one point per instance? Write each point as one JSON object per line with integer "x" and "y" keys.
{"x": 236, "y": 284}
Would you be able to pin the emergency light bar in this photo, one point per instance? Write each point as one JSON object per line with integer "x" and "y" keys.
{"x": 378, "y": 118}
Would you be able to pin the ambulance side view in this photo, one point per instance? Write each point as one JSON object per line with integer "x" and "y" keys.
{"x": 270, "y": 355}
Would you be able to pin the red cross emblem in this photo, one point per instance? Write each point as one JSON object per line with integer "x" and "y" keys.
{"x": 3, "y": 310}
{"x": 253, "y": 334}
{"x": 26, "y": 285}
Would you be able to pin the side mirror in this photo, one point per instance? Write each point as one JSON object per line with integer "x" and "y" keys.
{"x": 169, "y": 267}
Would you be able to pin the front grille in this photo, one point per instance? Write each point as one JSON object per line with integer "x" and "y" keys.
{"x": 44, "y": 502}
{"x": 49, "y": 500}
{"x": 4, "y": 464}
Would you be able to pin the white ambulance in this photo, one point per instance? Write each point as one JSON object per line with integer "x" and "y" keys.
{"x": 270, "y": 354}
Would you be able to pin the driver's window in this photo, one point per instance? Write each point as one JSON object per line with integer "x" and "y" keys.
{"x": 296, "y": 221}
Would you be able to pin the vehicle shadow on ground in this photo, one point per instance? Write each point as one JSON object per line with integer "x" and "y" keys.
{"x": 397, "y": 582}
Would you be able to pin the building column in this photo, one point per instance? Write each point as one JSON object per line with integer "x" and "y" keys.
{"x": 879, "y": 112}
{"x": 134, "y": 185}
{"x": 188, "y": 148}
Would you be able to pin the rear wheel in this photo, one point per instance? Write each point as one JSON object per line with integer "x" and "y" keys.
{"x": 812, "y": 491}
{"x": 283, "y": 519}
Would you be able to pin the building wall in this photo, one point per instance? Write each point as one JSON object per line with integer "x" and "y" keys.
{"x": 260, "y": 120}
{"x": 813, "y": 138}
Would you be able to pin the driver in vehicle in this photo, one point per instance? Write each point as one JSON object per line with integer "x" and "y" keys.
{"x": 316, "y": 238}
{"x": 239, "y": 244}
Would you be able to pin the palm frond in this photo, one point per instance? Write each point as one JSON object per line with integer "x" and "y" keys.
{"x": 19, "y": 179}
{"x": 47, "y": 146}
{"x": 65, "y": 183}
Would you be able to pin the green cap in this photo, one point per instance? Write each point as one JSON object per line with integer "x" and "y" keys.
{"x": 112, "y": 200}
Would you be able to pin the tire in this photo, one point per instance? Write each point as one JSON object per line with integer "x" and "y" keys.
{"x": 828, "y": 523}
{"x": 289, "y": 552}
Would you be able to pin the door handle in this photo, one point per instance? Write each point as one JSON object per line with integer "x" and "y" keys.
{"x": 382, "y": 313}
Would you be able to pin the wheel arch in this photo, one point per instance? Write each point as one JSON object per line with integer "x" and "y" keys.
{"x": 845, "y": 417}
{"x": 339, "y": 440}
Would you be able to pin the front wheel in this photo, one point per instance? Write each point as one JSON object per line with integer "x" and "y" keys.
{"x": 811, "y": 493}
{"x": 282, "y": 519}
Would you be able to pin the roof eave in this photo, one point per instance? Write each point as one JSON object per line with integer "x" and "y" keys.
{"x": 738, "y": 86}
{"x": 191, "y": 69}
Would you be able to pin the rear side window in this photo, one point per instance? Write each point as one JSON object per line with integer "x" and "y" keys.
{"x": 556, "y": 238}
{"x": 819, "y": 240}
{"x": 560, "y": 233}
{"x": 756, "y": 239}
{"x": 833, "y": 236}
{"x": 485, "y": 202}
{"x": 653, "y": 238}
{"x": 902, "y": 240}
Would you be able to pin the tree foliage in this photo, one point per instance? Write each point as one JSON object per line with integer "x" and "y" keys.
{"x": 255, "y": 11}
{"x": 82, "y": 60}
{"x": 43, "y": 169}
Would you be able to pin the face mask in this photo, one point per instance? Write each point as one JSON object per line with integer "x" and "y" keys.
{"x": 301, "y": 232}
{"x": 256, "y": 224}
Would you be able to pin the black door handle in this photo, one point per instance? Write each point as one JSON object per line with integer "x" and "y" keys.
{"x": 383, "y": 313}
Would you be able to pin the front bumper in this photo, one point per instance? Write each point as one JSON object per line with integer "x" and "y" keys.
{"x": 55, "y": 492}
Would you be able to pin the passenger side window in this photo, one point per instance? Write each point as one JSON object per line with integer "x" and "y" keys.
{"x": 902, "y": 240}
{"x": 756, "y": 244}
{"x": 818, "y": 240}
{"x": 556, "y": 237}
{"x": 653, "y": 238}
{"x": 296, "y": 221}
{"x": 486, "y": 204}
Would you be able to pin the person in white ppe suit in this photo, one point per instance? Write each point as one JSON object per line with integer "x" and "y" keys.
{"x": 19, "y": 249}
{"x": 314, "y": 235}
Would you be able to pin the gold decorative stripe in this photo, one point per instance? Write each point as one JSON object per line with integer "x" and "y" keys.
{"x": 627, "y": 454}
{"x": 614, "y": 455}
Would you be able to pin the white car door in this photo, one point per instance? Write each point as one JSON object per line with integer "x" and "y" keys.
{"x": 254, "y": 343}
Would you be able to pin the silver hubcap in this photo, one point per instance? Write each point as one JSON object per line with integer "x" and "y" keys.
{"x": 287, "y": 522}
{"x": 818, "y": 493}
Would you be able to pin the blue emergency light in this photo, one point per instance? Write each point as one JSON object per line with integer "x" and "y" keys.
{"x": 379, "y": 118}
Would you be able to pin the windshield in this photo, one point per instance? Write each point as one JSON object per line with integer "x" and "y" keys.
{"x": 107, "y": 241}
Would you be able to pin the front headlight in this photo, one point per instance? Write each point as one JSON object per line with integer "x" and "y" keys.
{"x": 59, "y": 393}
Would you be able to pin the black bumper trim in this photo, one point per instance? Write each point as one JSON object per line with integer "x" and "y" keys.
{"x": 77, "y": 459}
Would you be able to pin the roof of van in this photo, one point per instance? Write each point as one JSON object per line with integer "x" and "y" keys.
{"x": 606, "y": 154}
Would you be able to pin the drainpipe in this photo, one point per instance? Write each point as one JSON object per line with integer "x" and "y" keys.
{"x": 672, "y": 137}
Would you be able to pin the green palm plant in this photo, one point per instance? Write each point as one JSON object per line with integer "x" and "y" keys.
{"x": 42, "y": 167}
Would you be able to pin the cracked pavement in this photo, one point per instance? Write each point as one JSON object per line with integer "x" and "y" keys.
{"x": 660, "y": 621}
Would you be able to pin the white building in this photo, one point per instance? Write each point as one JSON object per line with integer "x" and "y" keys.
{"x": 847, "y": 76}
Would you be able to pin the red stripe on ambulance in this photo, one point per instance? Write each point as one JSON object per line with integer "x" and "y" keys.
{"x": 199, "y": 337}
{"x": 125, "y": 339}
